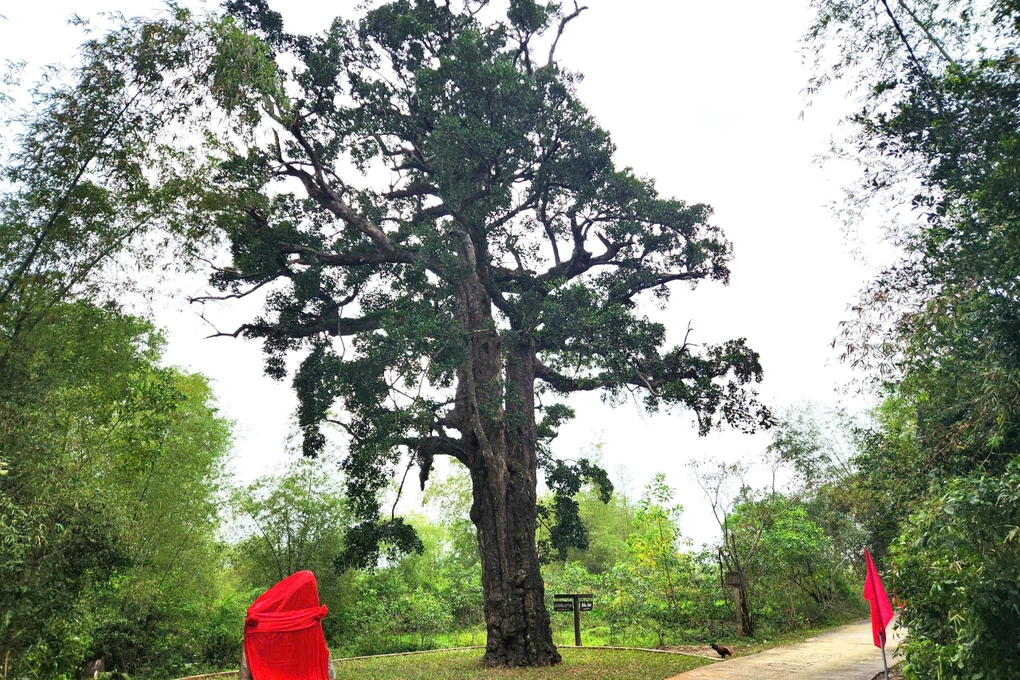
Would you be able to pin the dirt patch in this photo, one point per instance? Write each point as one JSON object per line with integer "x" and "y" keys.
{"x": 699, "y": 650}
{"x": 895, "y": 673}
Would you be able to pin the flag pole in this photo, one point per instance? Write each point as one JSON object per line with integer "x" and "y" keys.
{"x": 885, "y": 664}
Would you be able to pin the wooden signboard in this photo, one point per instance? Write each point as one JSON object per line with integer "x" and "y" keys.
{"x": 577, "y": 603}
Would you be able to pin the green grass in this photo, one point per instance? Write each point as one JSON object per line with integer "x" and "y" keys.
{"x": 578, "y": 664}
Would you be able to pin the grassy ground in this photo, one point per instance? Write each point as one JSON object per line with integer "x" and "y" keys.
{"x": 578, "y": 664}
{"x": 591, "y": 636}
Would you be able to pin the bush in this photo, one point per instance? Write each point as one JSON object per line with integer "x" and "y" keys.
{"x": 957, "y": 573}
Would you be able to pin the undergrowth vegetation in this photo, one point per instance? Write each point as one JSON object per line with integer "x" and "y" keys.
{"x": 651, "y": 586}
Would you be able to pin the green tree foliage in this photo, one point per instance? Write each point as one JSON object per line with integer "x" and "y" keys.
{"x": 297, "y": 519}
{"x": 659, "y": 591}
{"x": 459, "y": 571}
{"x": 797, "y": 546}
{"x": 109, "y": 503}
{"x": 87, "y": 176}
{"x": 891, "y": 475}
{"x": 655, "y": 546}
{"x": 650, "y": 588}
{"x": 957, "y": 566}
{"x": 289, "y": 522}
{"x": 812, "y": 550}
{"x": 608, "y": 526}
{"x": 638, "y": 566}
{"x": 826, "y": 449}
{"x": 172, "y": 542}
{"x": 411, "y": 601}
{"x": 489, "y": 253}
{"x": 939, "y": 124}
{"x": 743, "y": 514}
{"x": 794, "y": 576}
{"x": 292, "y": 520}
{"x": 579, "y": 489}
{"x": 800, "y": 577}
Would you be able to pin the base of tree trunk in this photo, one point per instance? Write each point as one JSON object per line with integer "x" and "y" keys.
{"x": 522, "y": 655}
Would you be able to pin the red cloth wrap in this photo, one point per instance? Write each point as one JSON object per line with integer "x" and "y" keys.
{"x": 283, "y": 637}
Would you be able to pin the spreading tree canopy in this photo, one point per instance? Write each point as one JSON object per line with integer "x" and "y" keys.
{"x": 437, "y": 226}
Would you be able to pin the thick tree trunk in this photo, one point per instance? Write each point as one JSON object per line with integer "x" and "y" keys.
{"x": 498, "y": 428}
{"x": 516, "y": 620}
{"x": 504, "y": 513}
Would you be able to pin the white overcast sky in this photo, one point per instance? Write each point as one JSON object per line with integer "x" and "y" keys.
{"x": 706, "y": 98}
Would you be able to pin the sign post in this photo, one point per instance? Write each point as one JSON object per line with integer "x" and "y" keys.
{"x": 733, "y": 580}
{"x": 577, "y": 603}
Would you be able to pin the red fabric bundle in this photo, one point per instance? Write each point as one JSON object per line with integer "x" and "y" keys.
{"x": 283, "y": 637}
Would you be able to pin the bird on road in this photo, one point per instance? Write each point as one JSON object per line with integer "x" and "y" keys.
{"x": 722, "y": 651}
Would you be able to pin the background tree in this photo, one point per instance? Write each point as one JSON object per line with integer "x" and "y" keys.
{"x": 168, "y": 611}
{"x": 655, "y": 546}
{"x": 289, "y": 521}
{"x": 826, "y": 449}
{"x": 109, "y": 501}
{"x": 562, "y": 530}
{"x": 743, "y": 514}
{"x": 109, "y": 505}
{"x": 83, "y": 180}
{"x": 937, "y": 132}
{"x": 461, "y": 568}
{"x": 966, "y": 543}
{"x": 607, "y": 526}
{"x": 796, "y": 541}
{"x": 490, "y": 258}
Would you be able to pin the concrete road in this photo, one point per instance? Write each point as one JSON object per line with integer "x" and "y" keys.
{"x": 846, "y": 653}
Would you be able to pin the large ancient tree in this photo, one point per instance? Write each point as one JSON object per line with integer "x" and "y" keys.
{"x": 487, "y": 259}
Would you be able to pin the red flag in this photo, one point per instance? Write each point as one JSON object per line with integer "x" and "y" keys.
{"x": 881, "y": 608}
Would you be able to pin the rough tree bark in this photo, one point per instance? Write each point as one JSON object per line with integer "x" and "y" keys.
{"x": 516, "y": 620}
{"x": 496, "y": 416}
